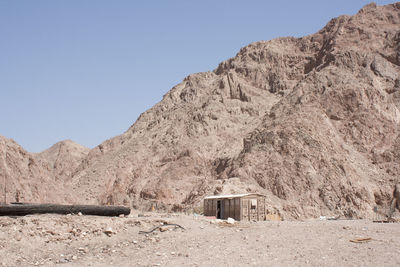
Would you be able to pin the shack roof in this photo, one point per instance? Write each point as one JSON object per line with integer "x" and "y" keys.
{"x": 233, "y": 196}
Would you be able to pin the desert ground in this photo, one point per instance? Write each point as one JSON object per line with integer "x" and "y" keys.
{"x": 73, "y": 240}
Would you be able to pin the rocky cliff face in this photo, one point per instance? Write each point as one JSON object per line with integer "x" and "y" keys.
{"x": 63, "y": 158}
{"x": 311, "y": 122}
{"x": 329, "y": 146}
{"x": 42, "y": 177}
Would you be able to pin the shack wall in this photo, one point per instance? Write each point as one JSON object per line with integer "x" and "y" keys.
{"x": 231, "y": 208}
{"x": 246, "y": 208}
{"x": 252, "y": 208}
{"x": 213, "y": 207}
{"x": 208, "y": 207}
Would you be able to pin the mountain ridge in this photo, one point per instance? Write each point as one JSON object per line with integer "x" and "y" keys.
{"x": 311, "y": 122}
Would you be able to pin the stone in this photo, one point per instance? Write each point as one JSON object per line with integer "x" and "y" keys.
{"x": 109, "y": 231}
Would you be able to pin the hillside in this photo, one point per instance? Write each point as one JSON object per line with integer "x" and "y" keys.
{"x": 41, "y": 177}
{"x": 63, "y": 158}
{"x": 311, "y": 122}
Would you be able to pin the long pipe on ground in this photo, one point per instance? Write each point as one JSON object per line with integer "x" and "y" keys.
{"x": 21, "y": 209}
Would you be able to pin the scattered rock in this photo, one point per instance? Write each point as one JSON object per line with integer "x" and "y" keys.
{"x": 109, "y": 231}
{"x": 82, "y": 250}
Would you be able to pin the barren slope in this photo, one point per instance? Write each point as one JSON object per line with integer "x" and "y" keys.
{"x": 39, "y": 177}
{"x": 331, "y": 145}
{"x": 311, "y": 122}
{"x": 63, "y": 158}
{"x": 27, "y": 177}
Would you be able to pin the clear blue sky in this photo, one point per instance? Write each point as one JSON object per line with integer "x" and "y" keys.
{"x": 85, "y": 69}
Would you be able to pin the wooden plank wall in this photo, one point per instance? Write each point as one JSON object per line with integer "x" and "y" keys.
{"x": 237, "y": 208}
{"x": 210, "y": 207}
{"x": 214, "y": 207}
{"x": 205, "y": 207}
{"x": 232, "y": 208}
{"x": 245, "y": 209}
{"x": 255, "y": 214}
{"x": 261, "y": 208}
{"x": 226, "y": 208}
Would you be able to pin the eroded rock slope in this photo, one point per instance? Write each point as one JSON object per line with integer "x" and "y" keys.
{"x": 42, "y": 177}
{"x": 312, "y": 122}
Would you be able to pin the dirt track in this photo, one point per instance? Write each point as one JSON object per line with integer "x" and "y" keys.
{"x": 49, "y": 240}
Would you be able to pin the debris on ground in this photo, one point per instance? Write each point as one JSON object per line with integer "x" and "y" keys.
{"x": 230, "y": 220}
{"x": 329, "y": 218}
{"x": 49, "y": 240}
{"x": 361, "y": 240}
{"x": 162, "y": 228}
{"x": 109, "y": 231}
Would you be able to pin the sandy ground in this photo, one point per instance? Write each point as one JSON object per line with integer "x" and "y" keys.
{"x": 72, "y": 240}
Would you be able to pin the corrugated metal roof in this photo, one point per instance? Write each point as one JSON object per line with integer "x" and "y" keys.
{"x": 232, "y": 196}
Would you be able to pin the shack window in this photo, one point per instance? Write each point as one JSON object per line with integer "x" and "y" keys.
{"x": 253, "y": 204}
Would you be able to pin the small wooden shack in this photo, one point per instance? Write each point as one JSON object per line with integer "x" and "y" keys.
{"x": 243, "y": 207}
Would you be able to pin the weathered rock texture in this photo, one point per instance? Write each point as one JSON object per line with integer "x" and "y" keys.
{"x": 311, "y": 122}
{"x": 42, "y": 177}
{"x": 63, "y": 158}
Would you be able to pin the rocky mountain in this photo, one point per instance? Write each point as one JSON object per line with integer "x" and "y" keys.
{"x": 42, "y": 177}
{"x": 311, "y": 122}
{"x": 63, "y": 158}
{"x": 330, "y": 145}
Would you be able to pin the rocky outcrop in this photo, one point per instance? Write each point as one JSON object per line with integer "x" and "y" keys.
{"x": 312, "y": 123}
{"x": 63, "y": 158}
{"x": 40, "y": 178}
{"x": 23, "y": 177}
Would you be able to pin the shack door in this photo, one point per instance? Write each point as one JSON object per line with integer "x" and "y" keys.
{"x": 219, "y": 209}
{"x": 253, "y": 209}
